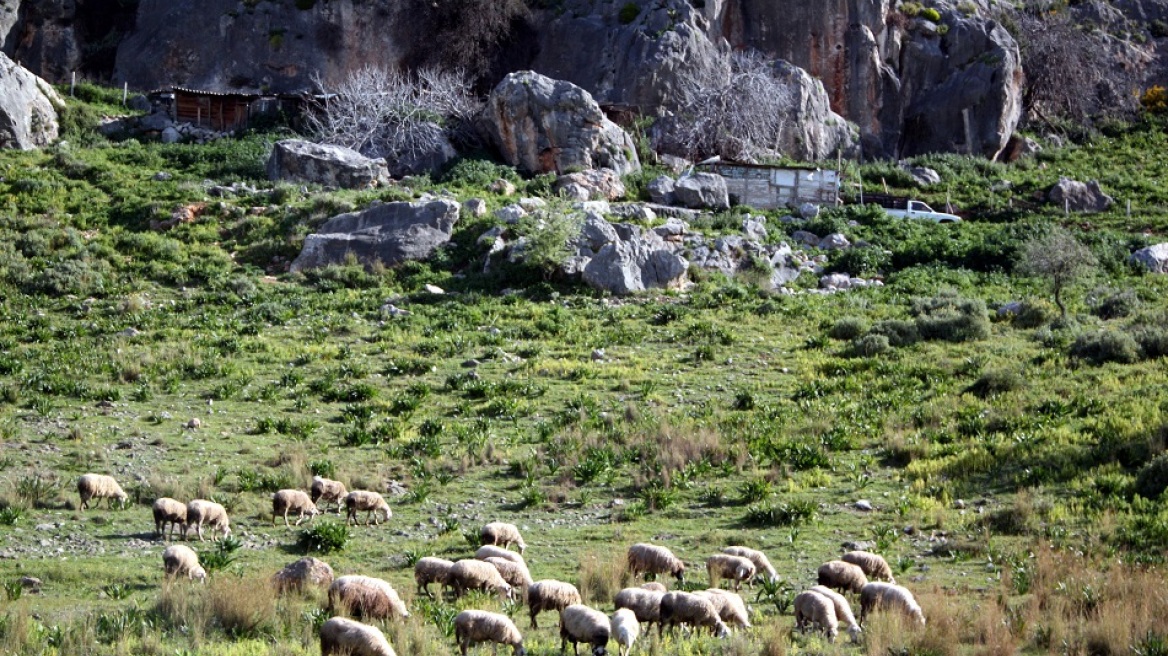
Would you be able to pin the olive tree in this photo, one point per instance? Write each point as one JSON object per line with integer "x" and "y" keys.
{"x": 1058, "y": 257}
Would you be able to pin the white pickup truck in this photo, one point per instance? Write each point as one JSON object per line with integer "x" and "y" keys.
{"x": 918, "y": 210}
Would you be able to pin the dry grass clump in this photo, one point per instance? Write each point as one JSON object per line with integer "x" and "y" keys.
{"x": 244, "y": 607}
{"x": 602, "y": 575}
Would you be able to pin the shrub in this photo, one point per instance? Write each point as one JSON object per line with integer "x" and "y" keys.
{"x": 870, "y": 345}
{"x": 1106, "y": 346}
{"x": 996, "y": 382}
{"x": 1033, "y": 314}
{"x": 1153, "y": 341}
{"x": 848, "y": 328}
{"x": 325, "y": 537}
{"x": 784, "y": 513}
{"x": 898, "y": 332}
{"x": 629, "y": 13}
{"x": 1113, "y": 303}
{"x": 222, "y": 555}
{"x": 951, "y": 318}
{"x": 861, "y": 261}
{"x": 1153, "y": 477}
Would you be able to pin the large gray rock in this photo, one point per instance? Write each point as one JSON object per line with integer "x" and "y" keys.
{"x": 633, "y": 266}
{"x": 302, "y": 575}
{"x": 390, "y": 233}
{"x": 661, "y": 190}
{"x": 1078, "y": 196}
{"x": 295, "y": 160}
{"x": 28, "y": 114}
{"x": 543, "y": 125}
{"x": 812, "y": 130}
{"x": 702, "y": 191}
{"x": 593, "y": 184}
{"x": 1155, "y": 258}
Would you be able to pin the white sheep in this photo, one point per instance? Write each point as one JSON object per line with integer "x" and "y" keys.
{"x": 550, "y": 594}
{"x": 431, "y": 570}
{"x": 100, "y": 486}
{"x": 693, "y": 610}
{"x": 502, "y": 534}
{"x": 366, "y": 596}
{"x": 652, "y": 559}
{"x": 289, "y": 501}
{"x": 475, "y": 626}
{"x": 169, "y": 511}
{"x": 181, "y": 560}
{"x": 762, "y": 564}
{"x": 889, "y": 595}
{"x": 370, "y": 502}
{"x": 341, "y": 636}
{"x": 645, "y": 604}
{"x": 734, "y": 568}
{"x": 813, "y": 609}
{"x": 843, "y": 610}
{"x": 513, "y": 573}
{"x": 468, "y": 574}
{"x": 841, "y": 576}
{"x": 579, "y": 623}
{"x": 325, "y": 491}
{"x": 301, "y": 574}
{"x": 624, "y": 628}
{"x": 655, "y": 586}
{"x": 201, "y": 512}
{"x": 491, "y": 551}
{"x": 874, "y": 566}
{"x": 730, "y": 606}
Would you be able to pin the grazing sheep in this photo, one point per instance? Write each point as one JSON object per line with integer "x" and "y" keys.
{"x": 503, "y": 535}
{"x": 652, "y": 559}
{"x": 579, "y": 623}
{"x": 370, "y": 502}
{"x": 341, "y": 636}
{"x": 181, "y": 560}
{"x": 491, "y": 551}
{"x": 431, "y": 570}
{"x": 201, "y": 511}
{"x": 645, "y": 604}
{"x": 655, "y": 586}
{"x": 843, "y": 610}
{"x": 842, "y": 576}
{"x": 100, "y": 486}
{"x": 889, "y": 595}
{"x": 288, "y": 501}
{"x": 169, "y": 511}
{"x": 625, "y": 628}
{"x": 550, "y": 594}
{"x": 734, "y": 568}
{"x": 874, "y": 566}
{"x": 730, "y": 606}
{"x": 365, "y": 596}
{"x": 514, "y": 574}
{"x": 298, "y": 576}
{"x": 475, "y": 626}
{"x": 694, "y": 610}
{"x": 325, "y": 491}
{"x": 813, "y": 609}
{"x": 762, "y": 565}
{"x": 469, "y": 574}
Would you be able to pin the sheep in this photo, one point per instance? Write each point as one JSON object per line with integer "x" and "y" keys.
{"x": 297, "y": 576}
{"x": 761, "y": 564}
{"x": 550, "y": 594}
{"x": 371, "y": 502}
{"x": 874, "y": 566}
{"x": 813, "y": 609}
{"x": 655, "y": 586}
{"x": 99, "y": 486}
{"x": 468, "y": 574}
{"x": 341, "y": 636}
{"x": 735, "y": 568}
{"x": 491, "y": 551}
{"x": 169, "y": 511}
{"x": 842, "y": 576}
{"x": 652, "y": 559}
{"x": 503, "y": 535}
{"x": 624, "y": 628}
{"x": 888, "y": 595}
{"x": 366, "y": 596}
{"x": 201, "y": 511}
{"x": 579, "y": 623}
{"x": 730, "y": 606}
{"x": 843, "y": 610}
{"x": 431, "y": 570}
{"x": 286, "y": 501}
{"x": 514, "y": 574}
{"x": 475, "y": 626}
{"x": 325, "y": 491}
{"x": 694, "y": 610}
{"x": 181, "y": 560}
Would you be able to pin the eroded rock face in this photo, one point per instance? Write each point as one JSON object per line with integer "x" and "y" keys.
{"x": 1075, "y": 196}
{"x": 1155, "y": 258}
{"x": 28, "y": 114}
{"x": 295, "y": 160}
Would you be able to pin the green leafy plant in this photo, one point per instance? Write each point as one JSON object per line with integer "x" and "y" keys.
{"x": 324, "y": 537}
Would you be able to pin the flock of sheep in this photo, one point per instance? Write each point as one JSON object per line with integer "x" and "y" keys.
{"x": 498, "y": 570}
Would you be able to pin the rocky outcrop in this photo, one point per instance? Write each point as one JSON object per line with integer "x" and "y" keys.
{"x": 1154, "y": 258}
{"x": 543, "y": 125}
{"x": 390, "y": 233}
{"x": 593, "y": 184}
{"x": 294, "y": 160}
{"x": 634, "y": 265}
{"x": 702, "y": 191}
{"x": 1077, "y": 196}
{"x": 28, "y": 114}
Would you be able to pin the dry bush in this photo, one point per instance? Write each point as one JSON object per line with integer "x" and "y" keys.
{"x": 293, "y": 460}
{"x": 244, "y": 607}
{"x": 183, "y": 607}
{"x": 416, "y": 636}
{"x": 602, "y": 575}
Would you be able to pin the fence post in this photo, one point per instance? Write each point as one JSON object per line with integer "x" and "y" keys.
{"x": 73, "y": 85}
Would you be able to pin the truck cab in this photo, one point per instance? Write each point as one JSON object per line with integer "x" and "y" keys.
{"x": 919, "y": 210}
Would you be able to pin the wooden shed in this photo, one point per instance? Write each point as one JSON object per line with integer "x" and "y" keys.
{"x": 769, "y": 187}
{"x": 222, "y": 112}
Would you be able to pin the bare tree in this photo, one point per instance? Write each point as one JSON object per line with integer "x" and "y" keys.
{"x": 1058, "y": 257}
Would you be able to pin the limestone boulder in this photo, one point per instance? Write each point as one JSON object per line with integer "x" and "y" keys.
{"x": 389, "y": 233}
{"x": 702, "y": 191}
{"x": 1154, "y": 258}
{"x": 635, "y": 265}
{"x": 593, "y": 184}
{"x": 296, "y": 160}
{"x": 28, "y": 108}
{"x": 303, "y": 574}
{"x": 1086, "y": 197}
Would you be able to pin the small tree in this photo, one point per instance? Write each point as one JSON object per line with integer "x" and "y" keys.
{"x": 1058, "y": 257}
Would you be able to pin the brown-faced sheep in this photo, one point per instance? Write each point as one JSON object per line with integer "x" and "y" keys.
{"x": 550, "y": 594}
{"x": 813, "y": 609}
{"x": 730, "y": 606}
{"x": 693, "y": 610}
{"x": 503, "y": 535}
{"x": 300, "y": 575}
{"x": 475, "y": 626}
{"x": 843, "y": 610}
{"x": 431, "y": 570}
{"x": 169, "y": 511}
{"x": 874, "y": 566}
{"x": 645, "y": 604}
{"x": 514, "y": 574}
{"x": 100, "y": 486}
{"x": 325, "y": 491}
{"x": 341, "y": 636}
{"x": 469, "y": 574}
{"x": 366, "y": 596}
{"x": 762, "y": 564}
{"x": 201, "y": 512}
{"x": 365, "y": 501}
{"x": 652, "y": 559}
{"x": 292, "y": 501}
{"x": 491, "y": 551}
{"x": 624, "y": 628}
{"x": 842, "y": 576}
{"x": 888, "y": 595}
{"x": 180, "y": 560}
{"x": 734, "y": 568}
{"x": 579, "y": 623}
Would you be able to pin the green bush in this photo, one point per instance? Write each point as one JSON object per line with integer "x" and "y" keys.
{"x": 870, "y": 345}
{"x": 325, "y": 537}
{"x": 1033, "y": 314}
{"x": 898, "y": 332}
{"x": 848, "y": 328}
{"x": 864, "y": 261}
{"x": 1106, "y": 346}
{"x": 995, "y": 382}
{"x": 1153, "y": 478}
{"x": 951, "y": 318}
{"x": 1153, "y": 341}
{"x": 928, "y": 13}
{"x": 1113, "y": 303}
{"x": 629, "y": 13}
{"x": 783, "y": 513}
{"x": 478, "y": 174}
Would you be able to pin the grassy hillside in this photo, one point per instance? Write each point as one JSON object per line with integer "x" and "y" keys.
{"x": 1014, "y": 465}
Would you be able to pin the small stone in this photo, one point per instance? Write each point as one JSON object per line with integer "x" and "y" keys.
{"x": 910, "y": 530}
{"x": 864, "y": 505}
{"x": 597, "y": 355}
{"x": 959, "y": 504}
{"x": 194, "y": 423}
{"x": 394, "y": 311}
{"x": 31, "y": 584}
{"x": 130, "y": 332}
{"x": 471, "y": 363}
{"x": 502, "y": 187}
{"x": 162, "y": 176}
{"x": 434, "y": 289}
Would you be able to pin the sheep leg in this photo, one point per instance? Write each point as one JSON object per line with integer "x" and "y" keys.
{"x": 299, "y": 518}
{"x": 534, "y": 612}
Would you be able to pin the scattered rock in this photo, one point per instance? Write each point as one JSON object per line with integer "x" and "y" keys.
{"x": 194, "y": 424}
{"x": 433, "y": 289}
{"x": 295, "y": 160}
{"x": 510, "y": 214}
{"x": 702, "y": 191}
{"x": 28, "y": 114}
{"x": 593, "y": 184}
{"x": 1155, "y": 258}
{"x": 923, "y": 176}
{"x": 170, "y": 135}
{"x": 1076, "y": 196}
{"x": 389, "y": 233}
{"x": 859, "y": 545}
{"x": 834, "y": 242}
{"x": 597, "y": 355}
{"x": 475, "y": 207}
{"x": 661, "y": 190}
{"x": 394, "y": 311}
{"x": 835, "y": 281}
{"x": 162, "y": 176}
{"x": 395, "y": 488}
{"x": 130, "y": 332}
{"x": 1010, "y": 309}
{"x": 503, "y": 187}
{"x": 808, "y": 211}
{"x": 303, "y": 574}
{"x": 863, "y": 505}
{"x": 806, "y": 238}
{"x": 632, "y": 266}
{"x": 959, "y": 504}
{"x": 31, "y": 584}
